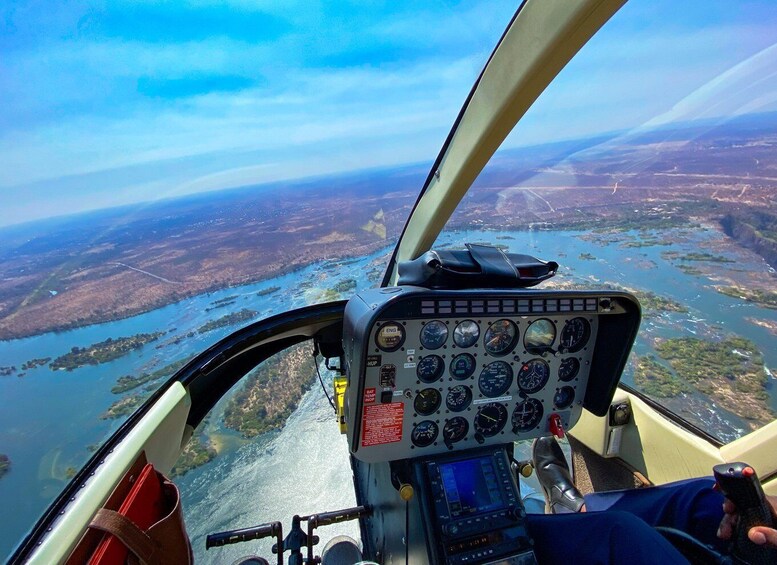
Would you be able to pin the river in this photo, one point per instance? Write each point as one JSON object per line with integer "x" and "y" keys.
{"x": 50, "y": 418}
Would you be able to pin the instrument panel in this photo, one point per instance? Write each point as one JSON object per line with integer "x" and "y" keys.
{"x": 434, "y": 371}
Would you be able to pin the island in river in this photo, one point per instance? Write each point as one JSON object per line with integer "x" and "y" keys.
{"x": 102, "y": 352}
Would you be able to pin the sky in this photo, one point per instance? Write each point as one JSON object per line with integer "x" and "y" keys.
{"x": 108, "y": 103}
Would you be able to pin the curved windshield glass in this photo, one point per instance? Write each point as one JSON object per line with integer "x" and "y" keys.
{"x": 174, "y": 171}
{"x": 648, "y": 165}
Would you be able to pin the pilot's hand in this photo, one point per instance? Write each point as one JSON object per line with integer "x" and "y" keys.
{"x": 759, "y": 535}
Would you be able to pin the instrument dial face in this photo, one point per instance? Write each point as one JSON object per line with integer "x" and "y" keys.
{"x": 564, "y": 397}
{"x": 434, "y": 335}
{"x": 466, "y": 334}
{"x": 575, "y": 335}
{"x": 491, "y": 419}
{"x": 430, "y": 368}
{"x": 533, "y": 375}
{"x": 527, "y": 415}
{"x": 568, "y": 369}
{"x": 495, "y": 379}
{"x": 500, "y": 337}
{"x": 390, "y": 337}
{"x": 424, "y": 433}
{"x": 462, "y": 366}
{"x": 539, "y": 336}
{"x": 427, "y": 401}
{"x": 455, "y": 429}
{"x": 458, "y": 398}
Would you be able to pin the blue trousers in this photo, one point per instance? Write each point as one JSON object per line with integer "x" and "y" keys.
{"x": 617, "y": 526}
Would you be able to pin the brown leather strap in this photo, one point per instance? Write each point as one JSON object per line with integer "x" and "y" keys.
{"x": 136, "y": 540}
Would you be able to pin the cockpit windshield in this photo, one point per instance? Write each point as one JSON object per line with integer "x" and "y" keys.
{"x": 648, "y": 165}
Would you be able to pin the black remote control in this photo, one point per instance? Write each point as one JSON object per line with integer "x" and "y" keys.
{"x": 739, "y": 483}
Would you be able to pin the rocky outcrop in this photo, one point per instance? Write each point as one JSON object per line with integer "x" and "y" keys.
{"x": 752, "y": 230}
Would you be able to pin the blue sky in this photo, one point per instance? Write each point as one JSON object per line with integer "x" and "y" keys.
{"x": 106, "y": 103}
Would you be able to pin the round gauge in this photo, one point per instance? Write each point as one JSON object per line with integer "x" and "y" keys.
{"x": 466, "y": 334}
{"x": 533, "y": 375}
{"x": 527, "y": 415}
{"x": 500, "y": 337}
{"x": 424, "y": 433}
{"x": 539, "y": 336}
{"x": 575, "y": 335}
{"x": 390, "y": 336}
{"x": 427, "y": 401}
{"x": 490, "y": 419}
{"x": 458, "y": 398}
{"x": 564, "y": 397}
{"x": 568, "y": 369}
{"x": 429, "y": 368}
{"x": 455, "y": 430}
{"x": 495, "y": 379}
{"x": 462, "y": 366}
{"x": 434, "y": 334}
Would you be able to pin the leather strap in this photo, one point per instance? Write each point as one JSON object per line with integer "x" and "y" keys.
{"x": 135, "y": 539}
{"x": 492, "y": 260}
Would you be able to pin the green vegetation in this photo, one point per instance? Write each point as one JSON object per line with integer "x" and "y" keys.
{"x": 219, "y": 305}
{"x": 694, "y": 256}
{"x": 197, "y": 452}
{"x": 128, "y": 382}
{"x": 7, "y": 371}
{"x": 767, "y": 299}
{"x": 730, "y": 372}
{"x": 587, "y": 257}
{"x": 345, "y": 286}
{"x": 689, "y": 270}
{"x": 102, "y": 352}
{"x": 647, "y": 242}
{"x": 123, "y": 407}
{"x": 5, "y": 464}
{"x": 33, "y": 363}
{"x": 271, "y": 392}
{"x": 268, "y": 290}
{"x": 230, "y": 319}
{"x": 656, "y": 379}
{"x": 654, "y": 303}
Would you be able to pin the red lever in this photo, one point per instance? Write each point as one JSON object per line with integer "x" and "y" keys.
{"x": 555, "y": 425}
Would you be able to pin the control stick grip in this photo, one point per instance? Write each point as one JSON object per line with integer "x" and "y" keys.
{"x": 739, "y": 483}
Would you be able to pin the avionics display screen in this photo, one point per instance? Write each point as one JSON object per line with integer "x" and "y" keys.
{"x": 471, "y": 486}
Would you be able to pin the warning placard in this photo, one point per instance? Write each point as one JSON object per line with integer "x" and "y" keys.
{"x": 382, "y": 423}
{"x": 369, "y": 395}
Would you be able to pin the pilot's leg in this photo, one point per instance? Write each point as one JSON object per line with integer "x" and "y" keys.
{"x": 602, "y": 538}
{"x": 691, "y": 506}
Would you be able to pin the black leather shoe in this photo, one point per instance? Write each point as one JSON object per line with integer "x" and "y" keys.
{"x": 561, "y": 495}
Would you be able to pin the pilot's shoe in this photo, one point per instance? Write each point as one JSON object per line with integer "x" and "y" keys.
{"x": 552, "y": 469}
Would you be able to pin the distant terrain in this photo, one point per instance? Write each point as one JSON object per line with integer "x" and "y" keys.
{"x": 74, "y": 271}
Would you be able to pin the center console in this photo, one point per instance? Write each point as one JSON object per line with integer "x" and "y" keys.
{"x": 472, "y": 509}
